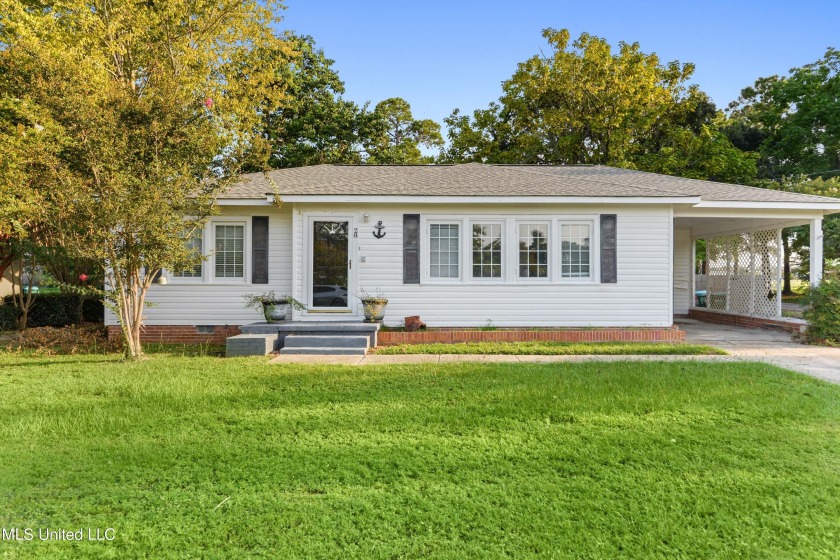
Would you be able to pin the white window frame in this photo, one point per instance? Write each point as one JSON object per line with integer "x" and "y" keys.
{"x": 510, "y": 247}
{"x": 245, "y": 222}
{"x": 173, "y": 278}
{"x": 427, "y": 250}
{"x": 469, "y": 252}
{"x": 594, "y": 242}
{"x": 550, "y": 248}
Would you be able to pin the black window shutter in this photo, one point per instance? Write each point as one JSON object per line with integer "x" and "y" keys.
{"x": 608, "y": 251}
{"x": 259, "y": 250}
{"x": 411, "y": 248}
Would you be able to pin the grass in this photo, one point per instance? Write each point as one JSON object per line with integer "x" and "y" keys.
{"x": 189, "y": 457}
{"x": 552, "y": 348}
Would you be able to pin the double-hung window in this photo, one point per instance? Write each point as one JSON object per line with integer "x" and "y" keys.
{"x": 194, "y": 243}
{"x": 229, "y": 256}
{"x": 533, "y": 250}
{"x": 486, "y": 250}
{"x": 575, "y": 251}
{"x": 444, "y": 248}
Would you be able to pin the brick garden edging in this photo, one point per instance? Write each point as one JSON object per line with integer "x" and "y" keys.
{"x": 393, "y": 338}
{"x": 795, "y": 326}
{"x": 179, "y": 334}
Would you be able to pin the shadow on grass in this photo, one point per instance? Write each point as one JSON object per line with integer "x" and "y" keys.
{"x": 47, "y": 361}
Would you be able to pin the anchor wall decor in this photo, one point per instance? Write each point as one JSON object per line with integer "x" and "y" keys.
{"x": 379, "y": 234}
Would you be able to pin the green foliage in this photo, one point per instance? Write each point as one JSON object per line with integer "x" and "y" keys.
{"x": 552, "y": 348}
{"x": 799, "y": 238}
{"x": 794, "y": 119}
{"x": 592, "y": 460}
{"x": 583, "y": 103}
{"x": 822, "y": 312}
{"x": 397, "y": 136}
{"x": 93, "y": 310}
{"x": 156, "y": 107}
{"x": 257, "y": 301}
{"x": 317, "y": 125}
{"x": 53, "y": 310}
{"x": 8, "y": 317}
{"x": 707, "y": 154}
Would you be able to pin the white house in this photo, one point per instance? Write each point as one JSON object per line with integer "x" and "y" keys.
{"x": 461, "y": 245}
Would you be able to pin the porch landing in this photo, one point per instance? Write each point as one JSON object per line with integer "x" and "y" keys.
{"x": 313, "y": 329}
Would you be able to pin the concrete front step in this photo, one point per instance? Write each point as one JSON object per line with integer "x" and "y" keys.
{"x": 326, "y": 341}
{"x": 323, "y": 351}
{"x": 314, "y": 328}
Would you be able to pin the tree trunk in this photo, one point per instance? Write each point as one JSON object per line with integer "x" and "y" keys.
{"x": 786, "y": 289}
{"x": 131, "y": 292}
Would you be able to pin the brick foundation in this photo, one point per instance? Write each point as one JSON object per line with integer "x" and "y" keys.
{"x": 450, "y": 336}
{"x": 795, "y": 326}
{"x": 184, "y": 334}
{"x": 180, "y": 334}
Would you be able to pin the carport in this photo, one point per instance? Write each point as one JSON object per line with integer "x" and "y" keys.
{"x": 744, "y": 257}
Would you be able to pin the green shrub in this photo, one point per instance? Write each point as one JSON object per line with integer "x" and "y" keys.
{"x": 822, "y": 312}
{"x": 53, "y": 310}
{"x": 93, "y": 310}
{"x": 8, "y": 317}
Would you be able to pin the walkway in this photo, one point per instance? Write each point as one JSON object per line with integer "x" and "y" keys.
{"x": 766, "y": 345}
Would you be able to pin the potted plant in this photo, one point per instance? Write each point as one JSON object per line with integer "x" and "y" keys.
{"x": 373, "y": 305}
{"x": 273, "y": 306}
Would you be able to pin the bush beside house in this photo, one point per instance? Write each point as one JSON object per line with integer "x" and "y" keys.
{"x": 823, "y": 312}
{"x": 8, "y": 317}
{"x": 55, "y": 310}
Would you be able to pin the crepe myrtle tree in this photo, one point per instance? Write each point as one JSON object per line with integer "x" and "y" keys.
{"x": 158, "y": 104}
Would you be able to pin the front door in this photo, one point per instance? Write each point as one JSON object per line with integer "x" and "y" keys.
{"x": 330, "y": 265}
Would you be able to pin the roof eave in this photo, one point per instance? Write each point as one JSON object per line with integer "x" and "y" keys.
{"x": 828, "y": 207}
{"x": 399, "y": 199}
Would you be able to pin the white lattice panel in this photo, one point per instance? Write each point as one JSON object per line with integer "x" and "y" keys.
{"x": 743, "y": 273}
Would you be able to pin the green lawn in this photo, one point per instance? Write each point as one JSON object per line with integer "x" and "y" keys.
{"x": 592, "y": 460}
{"x": 552, "y": 348}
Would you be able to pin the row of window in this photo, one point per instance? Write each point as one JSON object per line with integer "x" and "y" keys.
{"x": 486, "y": 260}
{"x": 488, "y": 249}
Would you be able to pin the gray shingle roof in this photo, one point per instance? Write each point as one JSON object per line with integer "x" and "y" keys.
{"x": 488, "y": 180}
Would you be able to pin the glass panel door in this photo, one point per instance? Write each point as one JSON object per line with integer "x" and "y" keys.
{"x": 330, "y": 253}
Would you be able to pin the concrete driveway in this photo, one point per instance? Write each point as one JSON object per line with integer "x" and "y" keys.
{"x": 766, "y": 345}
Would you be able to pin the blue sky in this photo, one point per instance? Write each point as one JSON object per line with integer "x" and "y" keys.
{"x": 441, "y": 55}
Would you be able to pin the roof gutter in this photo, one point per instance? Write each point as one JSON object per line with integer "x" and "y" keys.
{"x": 386, "y": 199}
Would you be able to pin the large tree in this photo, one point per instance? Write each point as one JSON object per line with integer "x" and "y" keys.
{"x": 584, "y": 103}
{"x": 158, "y": 104}
{"x": 396, "y": 136}
{"x": 793, "y": 121}
{"x": 317, "y": 125}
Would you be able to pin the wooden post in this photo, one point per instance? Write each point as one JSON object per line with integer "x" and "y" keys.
{"x": 780, "y": 258}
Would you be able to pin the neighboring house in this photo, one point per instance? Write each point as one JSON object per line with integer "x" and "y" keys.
{"x": 6, "y": 282}
{"x": 518, "y": 245}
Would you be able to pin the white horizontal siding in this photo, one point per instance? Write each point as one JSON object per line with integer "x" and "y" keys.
{"x": 682, "y": 271}
{"x": 640, "y": 298}
{"x": 217, "y": 303}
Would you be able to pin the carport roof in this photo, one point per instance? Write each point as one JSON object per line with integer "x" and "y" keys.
{"x": 497, "y": 181}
